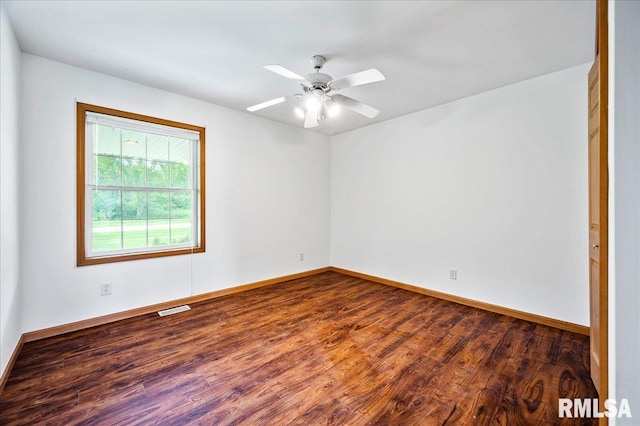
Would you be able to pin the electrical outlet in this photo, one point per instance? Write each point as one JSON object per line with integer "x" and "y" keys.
{"x": 105, "y": 289}
{"x": 301, "y": 257}
{"x": 453, "y": 274}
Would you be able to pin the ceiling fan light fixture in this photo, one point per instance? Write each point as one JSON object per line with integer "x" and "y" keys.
{"x": 313, "y": 103}
{"x": 333, "y": 110}
{"x": 322, "y": 112}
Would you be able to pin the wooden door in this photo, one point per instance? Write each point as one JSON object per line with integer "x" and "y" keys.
{"x": 598, "y": 299}
{"x": 598, "y": 209}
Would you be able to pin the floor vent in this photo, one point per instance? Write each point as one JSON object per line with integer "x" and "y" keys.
{"x": 172, "y": 311}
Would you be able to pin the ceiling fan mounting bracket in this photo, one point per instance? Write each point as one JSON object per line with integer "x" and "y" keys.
{"x": 317, "y": 62}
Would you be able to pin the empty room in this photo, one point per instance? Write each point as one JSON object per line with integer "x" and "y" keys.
{"x": 320, "y": 212}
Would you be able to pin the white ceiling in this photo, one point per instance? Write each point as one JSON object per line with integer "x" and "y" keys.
{"x": 431, "y": 52}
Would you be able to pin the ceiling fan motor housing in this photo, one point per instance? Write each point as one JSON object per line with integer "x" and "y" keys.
{"x": 319, "y": 80}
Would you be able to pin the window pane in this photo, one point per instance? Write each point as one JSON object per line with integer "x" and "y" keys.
{"x": 106, "y": 170}
{"x": 106, "y": 235}
{"x": 133, "y": 172}
{"x": 158, "y": 205}
{"x": 133, "y": 144}
{"x": 179, "y": 176}
{"x": 106, "y": 140}
{"x": 157, "y": 174}
{"x": 134, "y": 205}
{"x": 180, "y": 231}
{"x": 158, "y": 232}
{"x": 181, "y": 205}
{"x": 105, "y": 227}
{"x": 134, "y": 233}
{"x": 179, "y": 150}
{"x": 157, "y": 147}
{"x": 106, "y": 205}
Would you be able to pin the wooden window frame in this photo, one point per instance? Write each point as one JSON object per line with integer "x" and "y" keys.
{"x": 81, "y": 226}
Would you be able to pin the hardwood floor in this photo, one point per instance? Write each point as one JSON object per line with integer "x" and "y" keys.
{"x": 327, "y": 349}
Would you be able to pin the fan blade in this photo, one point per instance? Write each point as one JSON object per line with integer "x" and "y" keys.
{"x": 363, "y": 77}
{"x": 310, "y": 119}
{"x": 356, "y": 106}
{"x": 279, "y": 69}
{"x": 267, "y": 104}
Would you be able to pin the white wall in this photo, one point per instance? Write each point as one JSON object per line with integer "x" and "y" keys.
{"x": 624, "y": 206}
{"x": 267, "y": 199}
{"x": 10, "y": 326}
{"x": 494, "y": 185}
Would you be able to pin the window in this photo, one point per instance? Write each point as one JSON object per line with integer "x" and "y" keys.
{"x": 140, "y": 184}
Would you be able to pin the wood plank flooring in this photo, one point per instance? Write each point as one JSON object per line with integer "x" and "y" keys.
{"x": 327, "y": 349}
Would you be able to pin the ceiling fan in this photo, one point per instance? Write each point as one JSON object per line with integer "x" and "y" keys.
{"x": 319, "y": 100}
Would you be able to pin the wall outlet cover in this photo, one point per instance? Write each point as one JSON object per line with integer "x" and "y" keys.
{"x": 105, "y": 289}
